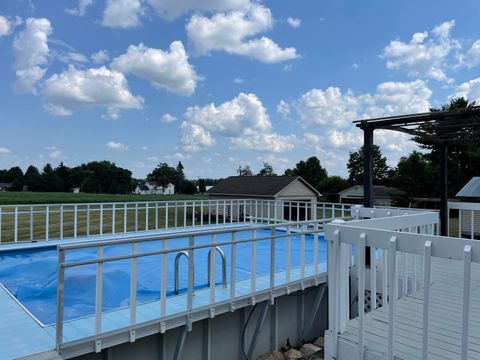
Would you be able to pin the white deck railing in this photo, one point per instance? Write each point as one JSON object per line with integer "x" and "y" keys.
{"x": 464, "y": 219}
{"x": 290, "y": 231}
{"x": 402, "y": 243}
{"x": 62, "y": 221}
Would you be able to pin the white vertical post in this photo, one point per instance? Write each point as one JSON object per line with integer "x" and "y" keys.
{"x": 302, "y": 250}
{"x": 233, "y": 262}
{"x": 47, "y": 222}
{"x": 472, "y": 225}
{"x": 15, "y": 225}
{"x": 384, "y": 277}
{"x": 426, "y": 296}
{"x": 405, "y": 274}
{"x": 0, "y": 224}
{"x": 185, "y": 214}
{"x": 75, "y": 220}
{"x": 146, "y": 216}
{"x": 136, "y": 216}
{"x": 253, "y": 274}
{"x": 201, "y": 213}
{"x": 166, "y": 215}
{"x": 156, "y": 215}
{"x": 99, "y": 292}
{"x": 175, "y": 223}
{"x": 191, "y": 274}
{"x": 31, "y": 223}
{"x": 361, "y": 291}
{"x": 133, "y": 286}
{"x": 113, "y": 218}
{"x": 88, "y": 219}
{"x": 333, "y": 265}
{"x": 467, "y": 258}
{"x": 163, "y": 285}
{"x": 60, "y": 296}
{"x": 212, "y": 269}
{"x": 101, "y": 220}
{"x": 61, "y": 222}
{"x": 373, "y": 278}
{"x": 272, "y": 259}
{"x": 287, "y": 254}
{"x": 125, "y": 218}
{"x": 392, "y": 269}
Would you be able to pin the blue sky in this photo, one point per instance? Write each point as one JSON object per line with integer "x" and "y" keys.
{"x": 222, "y": 83}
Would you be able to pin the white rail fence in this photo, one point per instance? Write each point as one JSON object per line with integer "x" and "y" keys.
{"x": 466, "y": 217}
{"x": 291, "y": 231}
{"x": 401, "y": 245}
{"x": 63, "y": 221}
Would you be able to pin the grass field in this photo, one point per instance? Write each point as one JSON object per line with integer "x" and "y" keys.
{"x": 10, "y": 198}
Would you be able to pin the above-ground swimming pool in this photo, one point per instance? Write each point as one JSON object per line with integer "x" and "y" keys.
{"x": 30, "y": 275}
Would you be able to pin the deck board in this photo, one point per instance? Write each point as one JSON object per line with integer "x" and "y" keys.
{"x": 445, "y": 325}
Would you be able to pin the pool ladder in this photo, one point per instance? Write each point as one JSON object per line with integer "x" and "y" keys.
{"x": 184, "y": 253}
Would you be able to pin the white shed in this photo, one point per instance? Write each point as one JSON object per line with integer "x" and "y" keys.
{"x": 293, "y": 190}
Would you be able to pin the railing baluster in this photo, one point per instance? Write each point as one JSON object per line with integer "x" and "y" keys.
{"x": 184, "y": 214}
{"x": 136, "y": 216}
{"x": 212, "y": 268}
{"x": 315, "y": 247}
{"x": 99, "y": 292}
{"x": 156, "y": 215}
{"x": 373, "y": 278}
{"x": 175, "y": 224}
{"x": 233, "y": 262}
{"x": 47, "y": 222}
{"x": 60, "y": 297}
{"x": 75, "y": 220}
{"x": 133, "y": 286}
{"x": 361, "y": 291}
{"x": 166, "y": 215}
{"x": 426, "y": 296}
{"x": 1, "y": 224}
{"x": 392, "y": 269}
{"x": 146, "y": 216}
{"x": 302, "y": 251}
{"x": 405, "y": 274}
{"x": 272, "y": 259}
{"x": 88, "y": 220}
{"x": 31, "y": 223}
{"x": 384, "y": 277}
{"x": 163, "y": 285}
{"x": 287, "y": 254}
{"x": 253, "y": 274}
{"x": 15, "y": 224}
{"x": 201, "y": 213}
{"x": 467, "y": 258}
{"x": 101, "y": 220}
{"x": 191, "y": 274}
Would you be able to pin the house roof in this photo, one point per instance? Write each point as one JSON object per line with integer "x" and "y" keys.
{"x": 263, "y": 186}
{"x": 471, "y": 189}
{"x": 379, "y": 191}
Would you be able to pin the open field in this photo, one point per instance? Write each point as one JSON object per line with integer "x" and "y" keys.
{"x": 10, "y": 198}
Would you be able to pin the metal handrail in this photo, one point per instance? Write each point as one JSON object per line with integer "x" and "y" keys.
{"x": 224, "y": 265}
{"x": 177, "y": 261}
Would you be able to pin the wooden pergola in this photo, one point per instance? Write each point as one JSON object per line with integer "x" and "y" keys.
{"x": 440, "y": 128}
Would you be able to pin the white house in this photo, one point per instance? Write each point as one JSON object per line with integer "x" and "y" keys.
{"x": 151, "y": 187}
{"x": 382, "y": 195}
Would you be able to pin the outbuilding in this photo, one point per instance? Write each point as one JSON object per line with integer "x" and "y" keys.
{"x": 294, "y": 193}
{"x": 470, "y": 193}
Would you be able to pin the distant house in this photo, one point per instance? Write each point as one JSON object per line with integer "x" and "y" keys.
{"x": 292, "y": 189}
{"x": 76, "y": 190}
{"x": 151, "y": 188}
{"x": 5, "y": 186}
{"x": 470, "y": 193}
{"x": 382, "y": 195}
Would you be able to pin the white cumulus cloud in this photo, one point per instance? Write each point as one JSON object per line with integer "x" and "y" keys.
{"x": 169, "y": 70}
{"x": 75, "y": 89}
{"x": 168, "y": 118}
{"x": 469, "y": 90}
{"x": 30, "y": 50}
{"x": 122, "y": 14}
{"x": 283, "y": 108}
{"x": 116, "y": 145}
{"x": 81, "y": 9}
{"x": 233, "y": 31}
{"x": 100, "y": 57}
{"x": 293, "y": 22}
{"x": 172, "y": 9}
{"x": 8, "y": 24}
{"x": 425, "y": 55}
{"x": 4, "y": 150}
{"x": 243, "y": 121}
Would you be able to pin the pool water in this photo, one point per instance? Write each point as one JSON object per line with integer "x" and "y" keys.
{"x": 31, "y": 275}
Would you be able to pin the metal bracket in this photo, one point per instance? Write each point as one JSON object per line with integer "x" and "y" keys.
{"x": 232, "y": 307}
{"x": 253, "y": 301}
{"x": 272, "y": 298}
{"x": 302, "y": 286}
{"x": 98, "y": 345}
{"x": 189, "y": 322}
{"x": 163, "y": 327}
{"x": 212, "y": 313}
{"x": 287, "y": 290}
{"x": 132, "y": 335}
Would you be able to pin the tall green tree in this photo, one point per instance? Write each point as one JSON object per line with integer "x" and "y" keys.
{"x": 381, "y": 171}
{"x": 415, "y": 175}
{"x": 163, "y": 174}
{"x": 33, "y": 179}
{"x": 180, "y": 176}
{"x": 267, "y": 170}
{"x": 244, "y": 171}
{"x": 311, "y": 170}
{"x": 14, "y": 175}
{"x": 202, "y": 189}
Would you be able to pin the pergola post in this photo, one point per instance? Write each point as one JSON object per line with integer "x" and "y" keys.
{"x": 443, "y": 189}
{"x": 367, "y": 166}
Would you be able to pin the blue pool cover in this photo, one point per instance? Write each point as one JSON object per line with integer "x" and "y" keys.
{"x": 31, "y": 275}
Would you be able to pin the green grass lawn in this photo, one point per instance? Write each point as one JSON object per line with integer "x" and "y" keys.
{"x": 11, "y": 198}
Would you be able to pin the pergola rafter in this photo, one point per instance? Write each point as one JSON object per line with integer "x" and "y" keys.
{"x": 438, "y": 128}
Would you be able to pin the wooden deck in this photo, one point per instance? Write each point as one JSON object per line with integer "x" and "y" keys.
{"x": 445, "y": 320}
